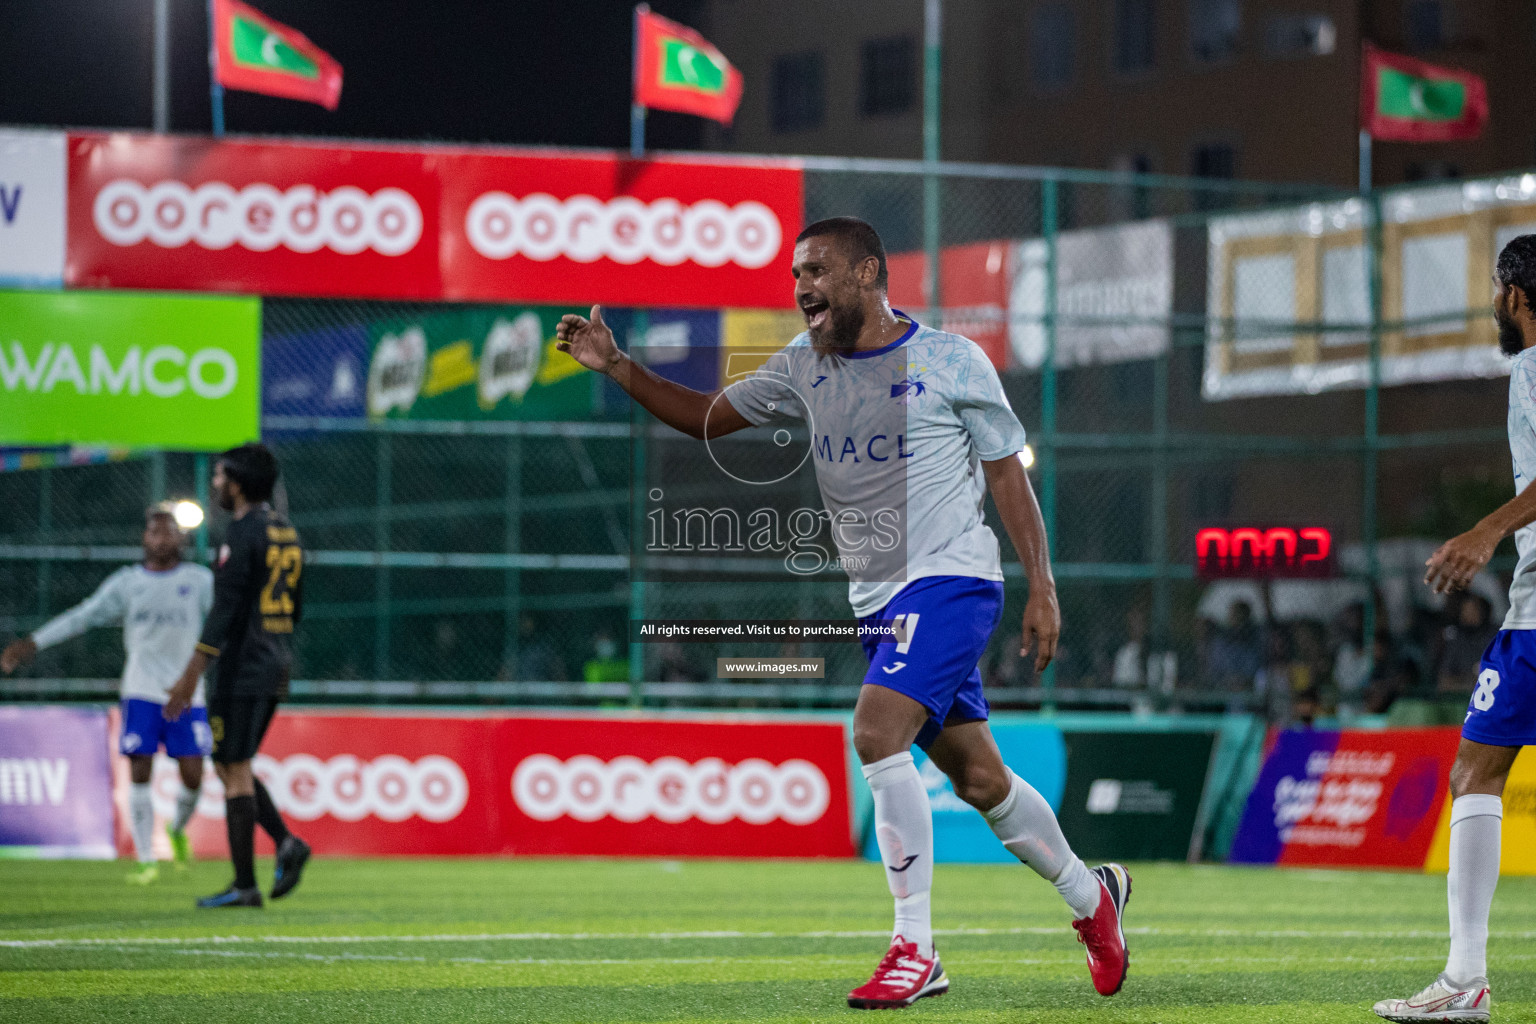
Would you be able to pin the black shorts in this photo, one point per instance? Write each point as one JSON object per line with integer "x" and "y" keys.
{"x": 238, "y": 725}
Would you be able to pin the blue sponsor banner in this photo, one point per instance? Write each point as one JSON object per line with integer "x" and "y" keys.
{"x": 1259, "y": 838}
{"x": 55, "y": 783}
{"x": 1036, "y": 752}
{"x": 682, "y": 345}
{"x": 323, "y": 372}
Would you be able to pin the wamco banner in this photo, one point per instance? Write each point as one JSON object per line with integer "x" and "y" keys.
{"x": 128, "y": 369}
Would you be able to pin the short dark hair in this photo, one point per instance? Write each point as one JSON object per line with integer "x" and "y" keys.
{"x": 861, "y": 239}
{"x": 254, "y": 468}
{"x": 1517, "y": 266}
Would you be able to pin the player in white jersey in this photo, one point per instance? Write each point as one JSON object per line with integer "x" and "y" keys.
{"x": 160, "y": 603}
{"x": 909, "y": 430}
{"x": 1501, "y": 717}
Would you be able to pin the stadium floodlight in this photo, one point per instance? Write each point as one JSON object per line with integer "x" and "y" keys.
{"x": 1027, "y": 456}
{"x": 189, "y": 514}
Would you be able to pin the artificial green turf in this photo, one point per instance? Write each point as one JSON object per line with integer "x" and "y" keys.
{"x": 444, "y": 941}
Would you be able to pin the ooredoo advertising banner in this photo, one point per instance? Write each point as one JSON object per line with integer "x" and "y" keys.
{"x": 428, "y": 223}
{"x": 55, "y": 788}
{"x": 1351, "y": 798}
{"x": 378, "y": 784}
{"x": 167, "y": 371}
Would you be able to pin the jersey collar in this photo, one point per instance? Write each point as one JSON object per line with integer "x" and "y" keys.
{"x": 912, "y": 326}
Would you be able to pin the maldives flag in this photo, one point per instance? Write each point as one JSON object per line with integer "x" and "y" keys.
{"x": 1407, "y": 100}
{"x": 256, "y": 54}
{"x": 678, "y": 69}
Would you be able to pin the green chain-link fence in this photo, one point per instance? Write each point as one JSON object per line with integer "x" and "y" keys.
{"x": 1182, "y": 354}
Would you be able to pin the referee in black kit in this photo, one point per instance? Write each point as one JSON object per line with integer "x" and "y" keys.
{"x": 257, "y": 588}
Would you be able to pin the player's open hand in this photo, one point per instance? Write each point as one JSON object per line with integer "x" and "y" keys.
{"x": 17, "y": 653}
{"x": 1042, "y": 626}
{"x": 1459, "y": 559}
{"x": 179, "y": 699}
{"x": 589, "y": 342}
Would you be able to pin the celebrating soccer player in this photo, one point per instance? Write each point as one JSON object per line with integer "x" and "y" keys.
{"x": 910, "y": 428}
{"x": 1502, "y": 715}
{"x": 256, "y": 603}
{"x": 160, "y": 603}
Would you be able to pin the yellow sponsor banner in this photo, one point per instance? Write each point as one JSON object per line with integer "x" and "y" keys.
{"x": 1518, "y": 855}
{"x": 750, "y": 336}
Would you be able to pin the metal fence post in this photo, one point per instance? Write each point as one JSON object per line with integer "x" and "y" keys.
{"x": 200, "y": 475}
{"x": 511, "y": 649}
{"x": 933, "y": 69}
{"x": 1368, "y": 468}
{"x": 45, "y": 532}
{"x": 1161, "y": 583}
{"x": 1049, "y": 212}
{"x": 382, "y": 486}
{"x": 638, "y": 433}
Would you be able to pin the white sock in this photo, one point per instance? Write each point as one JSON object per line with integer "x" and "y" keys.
{"x": 904, "y": 830}
{"x": 186, "y": 804}
{"x": 1028, "y": 828}
{"x": 1476, "y": 820}
{"x": 141, "y": 821}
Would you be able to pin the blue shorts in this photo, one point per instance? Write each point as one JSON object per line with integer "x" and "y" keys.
{"x": 948, "y": 621}
{"x": 145, "y": 729}
{"x": 1502, "y": 711}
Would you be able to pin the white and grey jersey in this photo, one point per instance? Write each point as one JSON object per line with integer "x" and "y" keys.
{"x": 898, "y": 436}
{"x": 161, "y": 614}
{"x": 1522, "y": 450}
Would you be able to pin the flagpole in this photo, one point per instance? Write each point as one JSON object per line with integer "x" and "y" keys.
{"x": 636, "y": 111}
{"x": 215, "y": 90}
{"x": 1366, "y": 179}
{"x": 162, "y": 66}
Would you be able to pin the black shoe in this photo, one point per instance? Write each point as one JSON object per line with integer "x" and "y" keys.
{"x": 292, "y": 855}
{"x": 233, "y": 897}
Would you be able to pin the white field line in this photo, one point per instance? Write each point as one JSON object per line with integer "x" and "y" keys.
{"x": 1217, "y": 933}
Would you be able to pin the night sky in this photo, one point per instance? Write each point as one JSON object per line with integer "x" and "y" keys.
{"x": 537, "y": 72}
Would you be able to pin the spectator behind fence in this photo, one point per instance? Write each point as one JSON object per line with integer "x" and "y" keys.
{"x": 1233, "y": 655}
{"x": 537, "y": 659}
{"x": 1394, "y": 674}
{"x": 1469, "y": 629}
{"x": 605, "y": 665}
{"x": 1351, "y": 664}
{"x": 1130, "y": 668}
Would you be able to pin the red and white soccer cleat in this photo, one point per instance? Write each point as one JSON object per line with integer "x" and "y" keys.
{"x": 1103, "y": 934}
{"x": 902, "y": 978}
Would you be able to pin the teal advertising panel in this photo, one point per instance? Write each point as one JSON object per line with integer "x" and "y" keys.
{"x": 130, "y": 369}
{"x": 476, "y": 363}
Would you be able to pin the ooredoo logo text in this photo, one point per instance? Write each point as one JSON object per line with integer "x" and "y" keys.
{"x": 258, "y": 217}
{"x": 623, "y": 229}
{"x": 670, "y": 789}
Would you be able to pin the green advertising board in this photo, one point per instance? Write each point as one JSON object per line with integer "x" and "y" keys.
{"x": 476, "y": 363}
{"x": 1134, "y": 795}
{"x": 129, "y": 368}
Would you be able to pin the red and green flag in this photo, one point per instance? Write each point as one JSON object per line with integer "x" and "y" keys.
{"x": 256, "y": 54}
{"x": 1408, "y": 100}
{"x": 678, "y": 69}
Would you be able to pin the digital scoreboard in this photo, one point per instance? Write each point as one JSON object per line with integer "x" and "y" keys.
{"x": 1263, "y": 552}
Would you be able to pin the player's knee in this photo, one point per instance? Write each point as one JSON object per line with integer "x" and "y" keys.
{"x": 1468, "y": 776}
{"x": 982, "y": 788}
{"x": 875, "y": 743}
{"x": 140, "y": 769}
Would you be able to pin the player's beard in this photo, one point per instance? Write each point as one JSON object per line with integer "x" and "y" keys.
{"x": 840, "y": 336}
{"x": 1511, "y": 341}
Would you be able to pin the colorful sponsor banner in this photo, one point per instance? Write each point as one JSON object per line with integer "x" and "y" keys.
{"x": 1114, "y": 295}
{"x": 748, "y": 337}
{"x": 682, "y": 345}
{"x": 973, "y": 285}
{"x": 323, "y": 372}
{"x": 55, "y": 791}
{"x": 1351, "y": 798}
{"x": 1518, "y": 832}
{"x": 476, "y": 363}
{"x": 1134, "y": 795}
{"x": 32, "y": 180}
{"x": 378, "y": 784}
{"x": 1289, "y": 301}
{"x": 1037, "y": 753}
{"x": 162, "y": 371}
{"x": 428, "y": 223}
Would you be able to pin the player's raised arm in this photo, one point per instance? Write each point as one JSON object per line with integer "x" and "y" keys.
{"x": 103, "y": 608}
{"x": 696, "y": 413}
{"x": 1020, "y": 512}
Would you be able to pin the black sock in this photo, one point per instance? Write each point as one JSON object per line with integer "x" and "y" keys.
{"x": 266, "y": 815}
{"x": 240, "y": 821}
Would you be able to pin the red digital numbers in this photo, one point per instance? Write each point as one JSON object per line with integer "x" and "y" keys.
{"x": 1250, "y": 551}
